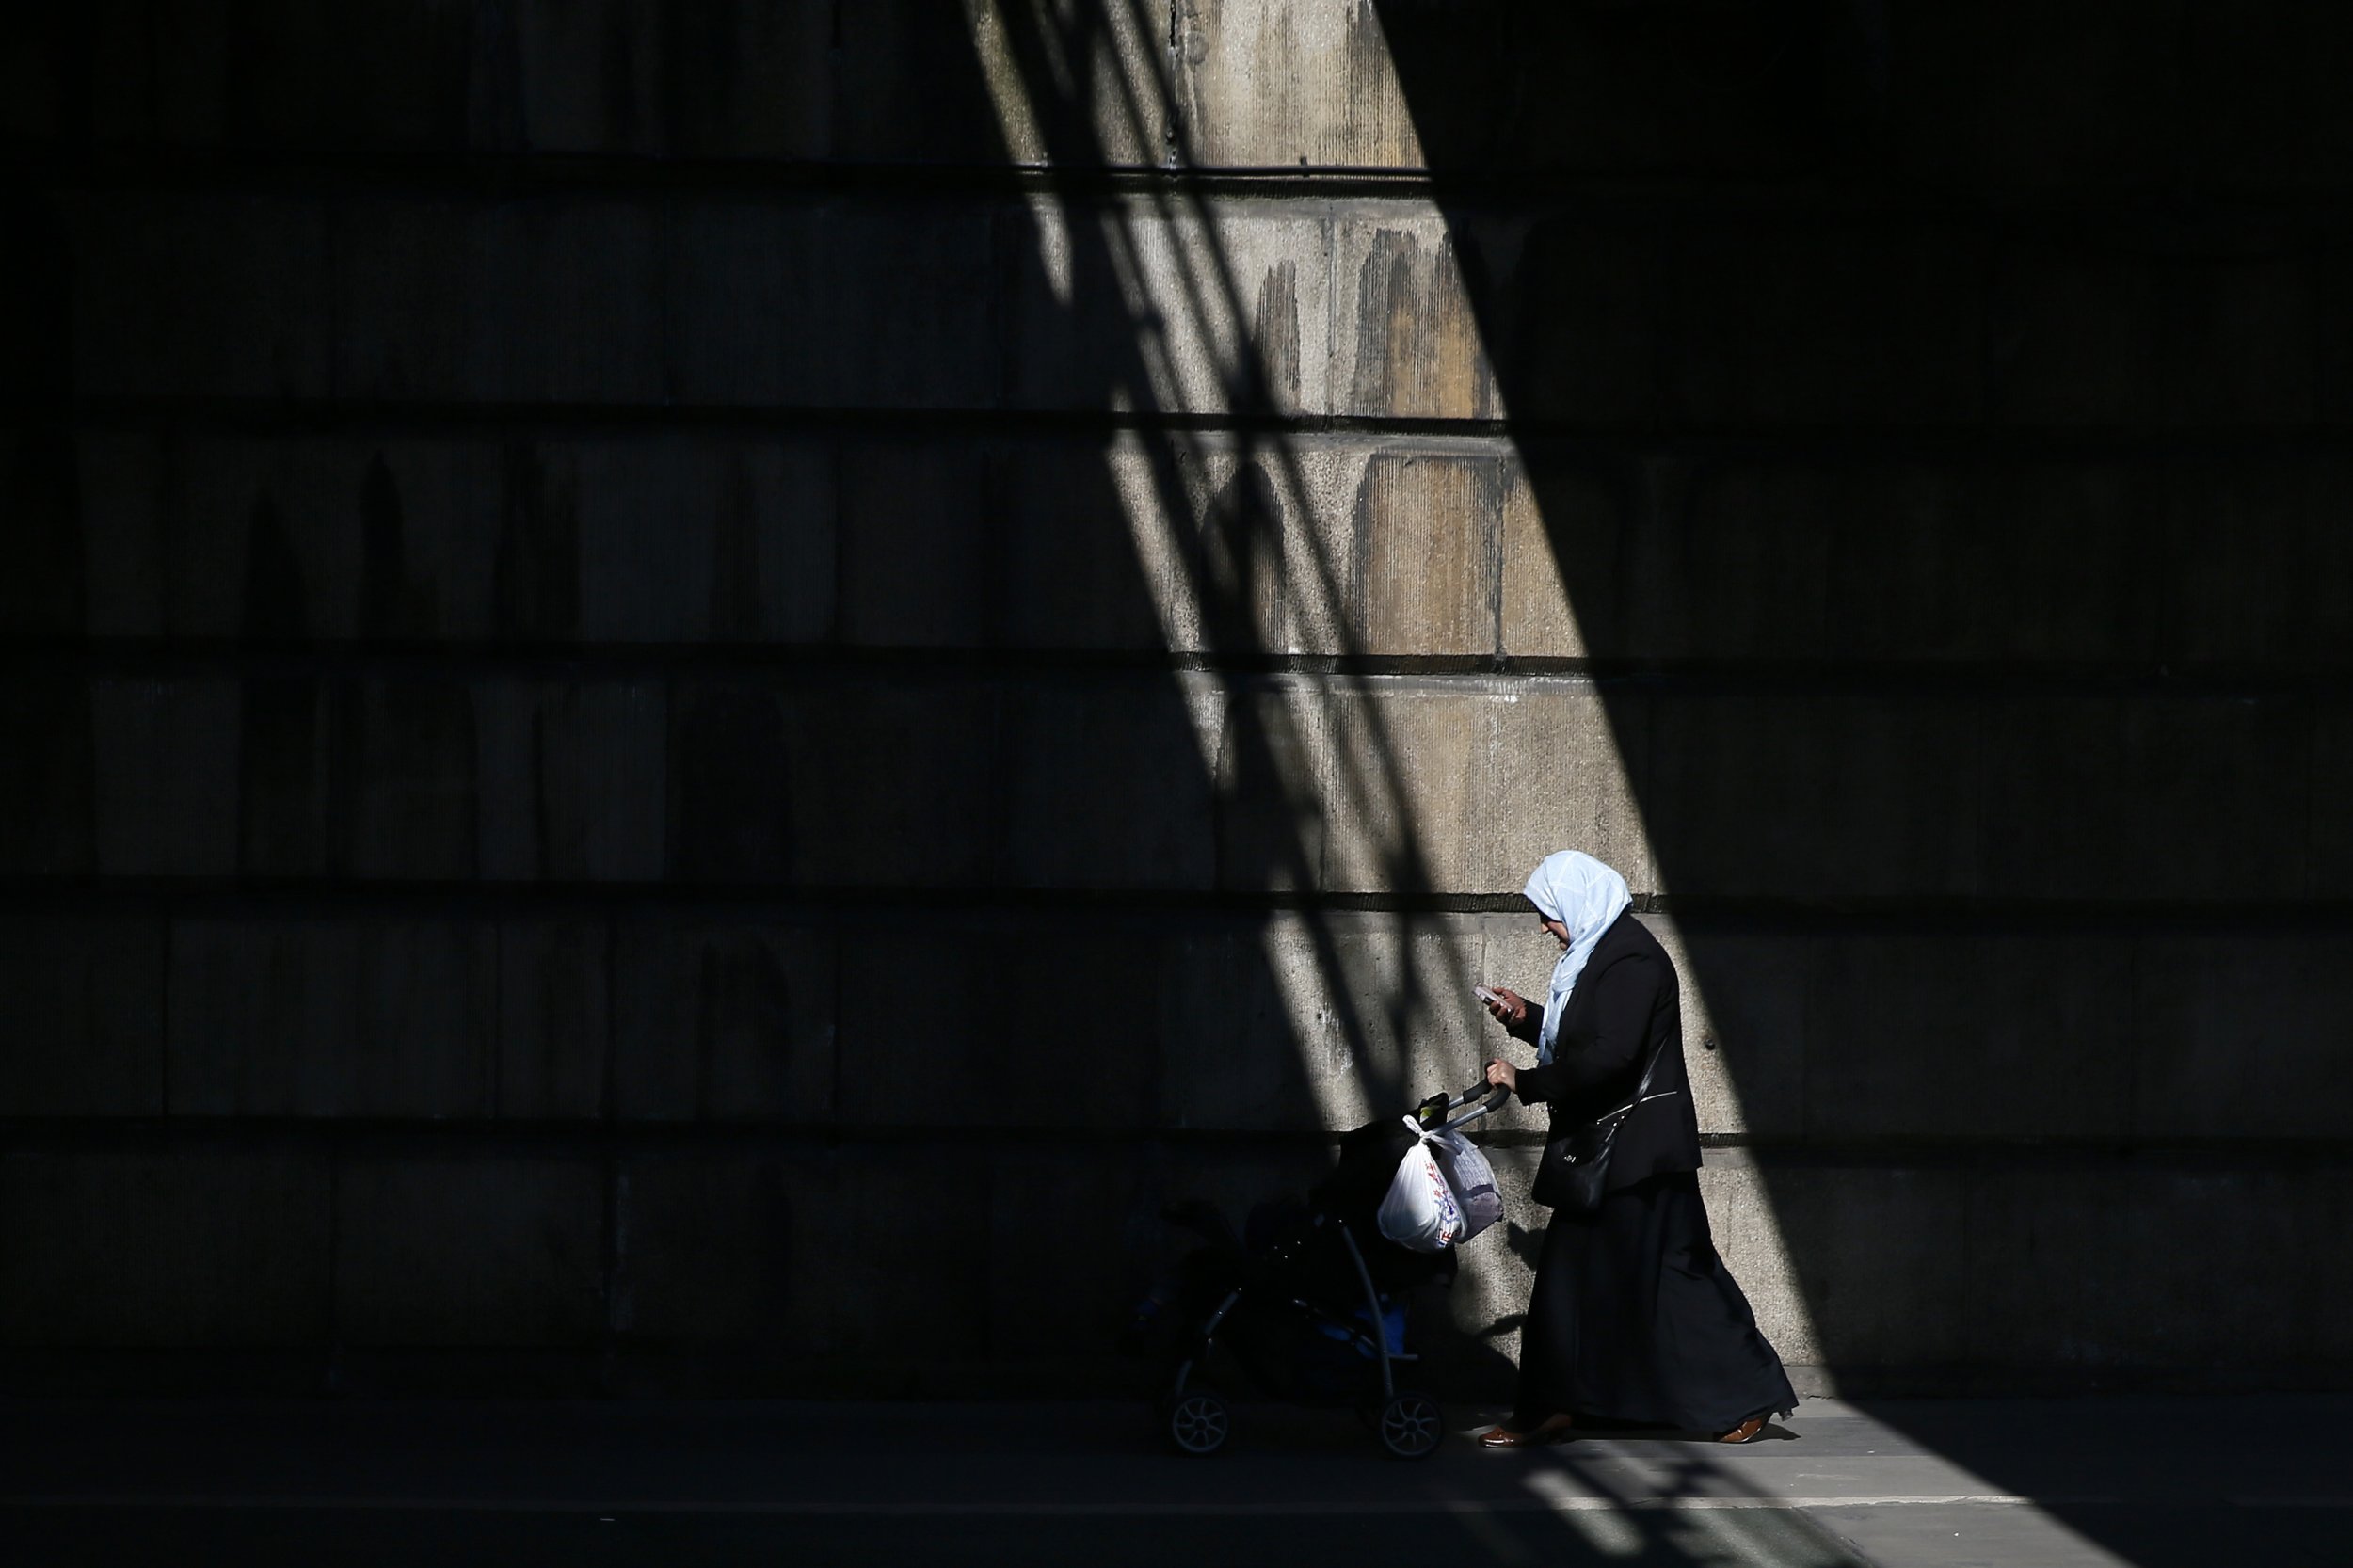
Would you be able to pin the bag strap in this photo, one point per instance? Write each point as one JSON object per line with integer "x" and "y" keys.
{"x": 1641, "y": 1085}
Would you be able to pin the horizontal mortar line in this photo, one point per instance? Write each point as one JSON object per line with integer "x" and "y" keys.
{"x": 182, "y": 896}
{"x": 2172, "y": 445}
{"x": 1004, "y": 1509}
{"x": 196, "y": 657}
{"x": 1799, "y": 196}
{"x": 593, "y": 1138}
{"x": 285, "y": 897}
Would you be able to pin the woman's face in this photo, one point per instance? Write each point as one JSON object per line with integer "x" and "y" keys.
{"x": 1560, "y": 931}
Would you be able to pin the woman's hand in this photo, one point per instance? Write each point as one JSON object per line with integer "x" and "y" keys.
{"x": 1502, "y": 1074}
{"x": 1508, "y": 1008}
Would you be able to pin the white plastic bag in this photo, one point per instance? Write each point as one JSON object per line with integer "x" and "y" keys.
{"x": 1471, "y": 1177}
{"x": 1420, "y": 1211}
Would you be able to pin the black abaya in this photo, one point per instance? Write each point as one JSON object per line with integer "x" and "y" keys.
{"x": 1634, "y": 1318}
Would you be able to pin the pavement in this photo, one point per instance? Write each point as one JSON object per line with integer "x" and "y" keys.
{"x": 2091, "y": 1482}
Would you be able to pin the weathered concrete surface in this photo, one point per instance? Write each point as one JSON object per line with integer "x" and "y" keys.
{"x": 463, "y": 1249}
{"x": 196, "y": 1247}
{"x": 84, "y": 1015}
{"x": 676, "y": 715}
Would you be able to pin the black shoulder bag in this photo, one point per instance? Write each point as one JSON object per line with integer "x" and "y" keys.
{"x": 1575, "y": 1171}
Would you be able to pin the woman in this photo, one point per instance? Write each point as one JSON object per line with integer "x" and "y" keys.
{"x": 1634, "y": 1318}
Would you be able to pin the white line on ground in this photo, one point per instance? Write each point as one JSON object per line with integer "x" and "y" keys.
{"x": 1565, "y": 1504}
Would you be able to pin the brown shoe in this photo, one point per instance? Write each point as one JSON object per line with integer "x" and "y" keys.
{"x": 1744, "y": 1432}
{"x": 1552, "y": 1428}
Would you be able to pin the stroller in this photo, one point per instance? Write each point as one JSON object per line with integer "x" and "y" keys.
{"x": 1309, "y": 1302}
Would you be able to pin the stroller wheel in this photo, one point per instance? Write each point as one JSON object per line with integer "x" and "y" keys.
{"x": 1197, "y": 1424}
{"x": 1411, "y": 1425}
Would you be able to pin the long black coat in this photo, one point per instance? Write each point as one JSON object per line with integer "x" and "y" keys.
{"x": 1625, "y": 1002}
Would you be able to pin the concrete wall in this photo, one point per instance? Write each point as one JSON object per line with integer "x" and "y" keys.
{"x": 692, "y": 700}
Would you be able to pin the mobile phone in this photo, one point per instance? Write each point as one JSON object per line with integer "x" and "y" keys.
{"x": 1485, "y": 994}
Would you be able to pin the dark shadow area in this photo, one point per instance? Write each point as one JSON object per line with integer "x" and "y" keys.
{"x": 1923, "y": 411}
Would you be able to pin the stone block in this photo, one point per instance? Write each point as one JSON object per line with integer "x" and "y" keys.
{"x": 917, "y": 82}
{"x": 2067, "y": 566}
{"x": 121, "y": 488}
{"x": 897, "y": 782}
{"x": 751, "y": 82}
{"x": 573, "y": 779}
{"x": 200, "y": 75}
{"x": 1407, "y": 335}
{"x": 2331, "y": 873}
{"x": 906, "y": 1292}
{"x": 182, "y": 1247}
{"x": 298, "y": 537}
{"x": 1274, "y": 85}
{"x": 1316, "y": 1020}
{"x": 2326, "y": 1202}
{"x": 732, "y": 783}
{"x": 2220, "y": 329}
{"x": 33, "y": 76}
{"x": 1274, "y": 821}
{"x": 1573, "y": 313}
{"x": 40, "y": 506}
{"x": 480, "y": 302}
{"x": 37, "y": 263}
{"x": 877, "y": 303}
{"x": 1747, "y": 1026}
{"x": 1819, "y": 323}
{"x": 1738, "y": 561}
{"x": 723, "y": 1022}
{"x": 1222, "y": 310}
{"x": 2243, "y": 1034}
{"x": 1108, "y": 783}
{"x": 47, "y": 760}
{"x": 82, "y": 1008}
{"x": 1000, "y": 1021}
{"x": 414, "y": 794}
{"x": 165, "y": 755}
{"x": 1067, "y": 1259}
{"x": 1423, "y": 784}
{"x": 1402, "y": 780}
{"x": 1565, "y": 526}
{"x": 1098, "y": 551}
{"x": 555, "y": 1017}
{"x": 1959, "y": 1035}
{"x": 293, "y": 735}
{"x": 2097, "y": 103}
{"x": 1228, "y": 1015}
{"x": 916, "y": 544}
{"x": 1830, "y": 794}
{"x": 2255, "y": 565}
{"x": 264, "y": 540}
{"x": 2216, "y": 798}
{"x": 1850, "y": 1266}
{"x": 1563, "y": 769}
{"x": 199, "y": 296}
{"x": 585, "y": 78}
{"x": 688, "y": 540}
{"x": 1085, "y": 87}
{"x": 2261, "y": 108}
{"x": 315, "y": 1018}
{"x": 1048, "y": 992}
{"x": 458, "y": 1247}
{"x": 723, "y": 1248}
{"x": 1427, "y": 562}
{"x": 2055, "y": 785}
{"x": 930, "y": 1019}
{"x": 2109, "y": 1269}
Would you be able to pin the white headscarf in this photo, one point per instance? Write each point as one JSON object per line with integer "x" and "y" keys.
{"x": 1586, "y": 896}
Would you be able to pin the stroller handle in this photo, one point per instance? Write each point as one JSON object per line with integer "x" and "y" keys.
{"x": 1484, "y": 1099}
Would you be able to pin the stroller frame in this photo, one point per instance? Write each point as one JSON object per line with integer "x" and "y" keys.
{"x": 1410, "y": 1424}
